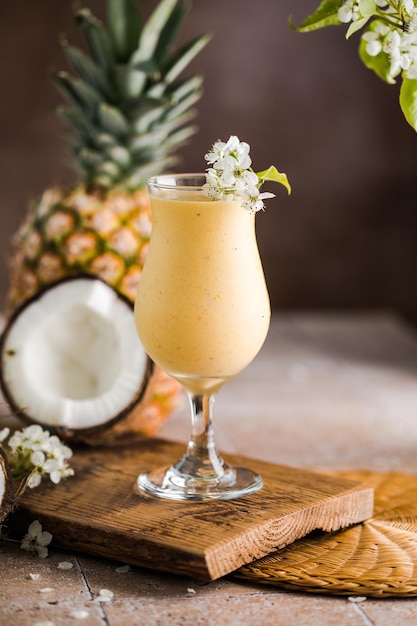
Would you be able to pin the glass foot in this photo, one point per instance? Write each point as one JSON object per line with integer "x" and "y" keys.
{"x": 173, "y": 484}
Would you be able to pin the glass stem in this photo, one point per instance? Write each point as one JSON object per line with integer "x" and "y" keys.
{"x": 202, "y": 458}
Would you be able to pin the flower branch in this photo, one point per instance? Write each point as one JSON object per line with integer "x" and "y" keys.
{"x": 388, "y": 44}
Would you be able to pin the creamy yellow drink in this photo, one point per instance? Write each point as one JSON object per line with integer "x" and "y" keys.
{"x": 202, "y": 311}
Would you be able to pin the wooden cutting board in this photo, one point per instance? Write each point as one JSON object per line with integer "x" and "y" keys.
{"x": 100, "y": 511}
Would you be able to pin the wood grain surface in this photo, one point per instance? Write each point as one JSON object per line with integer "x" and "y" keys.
{"x": 100, "y": 511}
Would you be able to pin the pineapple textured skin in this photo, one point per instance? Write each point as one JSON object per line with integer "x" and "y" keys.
{"x": 81, "y": 233}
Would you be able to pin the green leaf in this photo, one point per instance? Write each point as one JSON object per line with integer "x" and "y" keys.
{"x": 157, "y": 90}
{"x": 120, "y": 155}
{"x": 151, "y": 31}
{"x": 89, "y": 157}
{"x": 185, "y": 55}
{"x": 79, "y": 93}
{"x": 356, "y": 25}
{"x": 181, "y": 136}
{"x": 79, "y": 123}
{"x": 180, "y": 120}
{"x": 87, "y": 69}
{"x": 146, "y": 114}
{"x": 380, "y": 64}
{"x": 325, "y": 15}
{"x": 130, "y": 81}
{"x": 367, "y": 8}
{"x": 182, "y": 106}
{"x": 170, "y": 32}
{"x": 104, "y": 140}
{"x": 151, "y": 167}
{"x": 100, "y": 182}
{"x": 125, "y": 24}
{"x": 147, "y": 140}
{"x": 273, "y": 175}
{"x": 98, "y": 39}
{"x": 112, "y": 120}
{"x": 183, "y": 88}
{"x": 148, "y": 68}
{"x": 108, "y": 168}
{"x": 408, "y": 101}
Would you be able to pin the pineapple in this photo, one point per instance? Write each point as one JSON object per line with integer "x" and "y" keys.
{"x": 127, "y": 114}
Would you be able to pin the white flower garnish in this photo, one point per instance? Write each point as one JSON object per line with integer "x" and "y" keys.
{"x": 36, "y": 540}
{"x": 231, "y": 176}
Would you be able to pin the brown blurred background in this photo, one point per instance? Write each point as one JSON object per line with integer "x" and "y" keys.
{"x": 347, "y": 237}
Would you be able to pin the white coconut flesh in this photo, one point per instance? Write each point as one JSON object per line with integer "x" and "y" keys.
{"x": 71, "y": 358}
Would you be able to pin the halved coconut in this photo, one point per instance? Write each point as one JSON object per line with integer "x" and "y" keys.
{"x": 71, "y": 361}
{"x": 7, "y": 488}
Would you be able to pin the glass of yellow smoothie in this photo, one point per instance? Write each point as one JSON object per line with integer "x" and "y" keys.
{"x": 202, "y": 313}
{"x": 202, "y": 310}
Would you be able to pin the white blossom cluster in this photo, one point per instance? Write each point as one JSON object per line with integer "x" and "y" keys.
{"x": 231, "y": 176}
{"x": 34, "y": 452}
{"x": 392, "y": 33}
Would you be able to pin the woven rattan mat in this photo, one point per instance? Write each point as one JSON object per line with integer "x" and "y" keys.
{"x": 375, "y": 558}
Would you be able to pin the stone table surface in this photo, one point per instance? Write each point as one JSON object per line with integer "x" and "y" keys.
{"x": 328, "y": 391}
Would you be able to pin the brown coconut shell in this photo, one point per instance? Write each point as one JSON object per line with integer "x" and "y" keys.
{"x": 8, "y": 501}
{"x": 157, "y": 396}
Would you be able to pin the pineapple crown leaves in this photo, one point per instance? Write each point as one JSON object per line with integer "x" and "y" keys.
{"x": 129, "y": 112}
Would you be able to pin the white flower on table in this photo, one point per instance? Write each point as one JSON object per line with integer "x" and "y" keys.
{"x": 30, "y": 438}
{"x": 37, "y": 452}
{"x": 105, "y": 595}
{"x": 36, "y": 540}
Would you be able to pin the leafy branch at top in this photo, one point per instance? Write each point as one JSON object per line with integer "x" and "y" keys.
{"x": 388, "y": 44}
